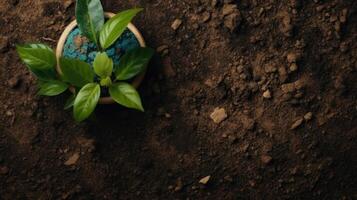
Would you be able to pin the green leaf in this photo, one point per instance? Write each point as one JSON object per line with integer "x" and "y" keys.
{"x": 106, "y": 82}
{"x": 133, "y": 62}
{"x": 70, "y": 101}
{"x": 90, "y": 18}
{"x": 86, "y": 101}
{"x": 52, "y": 88}
{"x": 40, "y": 59}
{"x": 76, "y": 72}
{"x": 114, "y": 27}
{"x": 126, "y": 95}
{"x": 103, "y": 65}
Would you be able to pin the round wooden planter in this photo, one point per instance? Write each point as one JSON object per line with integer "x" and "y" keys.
{"x": 59, "y": 50}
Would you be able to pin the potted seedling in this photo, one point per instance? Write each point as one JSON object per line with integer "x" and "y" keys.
{"x": 101, "y": 58}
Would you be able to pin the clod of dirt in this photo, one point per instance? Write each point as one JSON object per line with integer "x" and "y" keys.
{"x": 176, "y": 24}
{"x": 14, "y": 82}
{"x": 286, "y": 26}
{"x": 293, "y": 57}
{"x": 205, "y": 180}
{"x": 248, "y": 123}
{"x": 308, "y": 116}
{"x": 232, "y": 16}
{"x": 266, "y": 159}
{"x": 291, "y": 87}
{"x": 267, "y": 94}
{"x": 218, "y": 115}
{"x": 296, "y": 124}
{"x": 4, "y": 43}
{"x": 72, "y": 160}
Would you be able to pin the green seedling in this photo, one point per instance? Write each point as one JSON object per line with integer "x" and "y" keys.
{"x": 79, "y": 76}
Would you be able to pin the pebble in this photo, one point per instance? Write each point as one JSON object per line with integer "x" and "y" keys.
{"x": 176, "y": 24}
{"x": 296, "y": 124}
{"x": 293, "y": 67}
{"x": 218, "y": 115}
{"x": 205, "y": 180}
{"x": 267, "y": 94}
{"x": 308, "y": 116}
{"x": 266, "y": 159}
{"x": 72, "y": 160}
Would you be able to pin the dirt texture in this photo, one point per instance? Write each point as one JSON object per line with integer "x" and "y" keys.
{"x": 248, "y": 99}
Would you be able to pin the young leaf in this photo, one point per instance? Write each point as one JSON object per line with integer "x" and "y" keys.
{"x": 76, "y": 72}
{"x": 40, "y": 59}
{"x": 133, "y": 62}
{"x": 114, "y": 27}
{"x": 86, "y": 101}
{"x": 126, "y": 95}
{"x": 103, "y": 65}
{"x": 52, "y": 88}
{"x": 90, "y": 18}
{"x": 70, "y": 101}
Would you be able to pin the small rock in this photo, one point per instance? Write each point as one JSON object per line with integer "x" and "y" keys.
{"x": 308, "y": 116}
{"x": 267, "y": 94}
{"x": 293, "y": 67}
{"x": 72, "y": 160}
{"x": 266, "y": 159}
{"x": 296, "y": 124}
{"x": 4, "y": 43}
{"x": 205, "y": 180}
{"x": 176, "y": 24}
{"x": 218, "y": 115}
{"x": 9, "y": 113}
{"x": 232, "y": 21}
{"x": 206, "y": 16}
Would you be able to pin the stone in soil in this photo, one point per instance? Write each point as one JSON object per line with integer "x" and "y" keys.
{"x": 308, "y": 116}
{"x": 266, "y": 159}
{"x": 267, "y": 94}
{"x": 296, "y": 124}
{"x": 176, "y": 24}
{"x": 205, "y": 180}
{"x": 218, "y": 115}
{"x": 72, "y": 160}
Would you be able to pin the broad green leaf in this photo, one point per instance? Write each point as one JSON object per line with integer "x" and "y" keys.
{"x": 114, "y": 27}
{"x": 126, "y": 95}
{"x": 90, "y": 18}
{"x": 76, "y": 72}
{"x": 133, "y": 62}
{"x": 86, "y": 101}
{"x": 52, "y": 88}
{"x": 70, "y": 101}
{"x": 40, "y": 59}
{"x": 103, "y": 65}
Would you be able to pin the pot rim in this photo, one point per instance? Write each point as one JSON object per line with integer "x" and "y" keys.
{"x": 60, "y": 45}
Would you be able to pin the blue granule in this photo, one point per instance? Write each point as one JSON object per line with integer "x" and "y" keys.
{"x": 78, "y": 47}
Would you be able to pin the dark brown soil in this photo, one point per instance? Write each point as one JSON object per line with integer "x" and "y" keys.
{"x": 267, "y": 64}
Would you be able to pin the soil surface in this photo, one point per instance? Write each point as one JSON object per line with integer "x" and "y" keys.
{"x": 248, "y": 99}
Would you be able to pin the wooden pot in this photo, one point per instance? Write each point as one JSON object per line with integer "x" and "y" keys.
{"x": 59, "y": 50}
